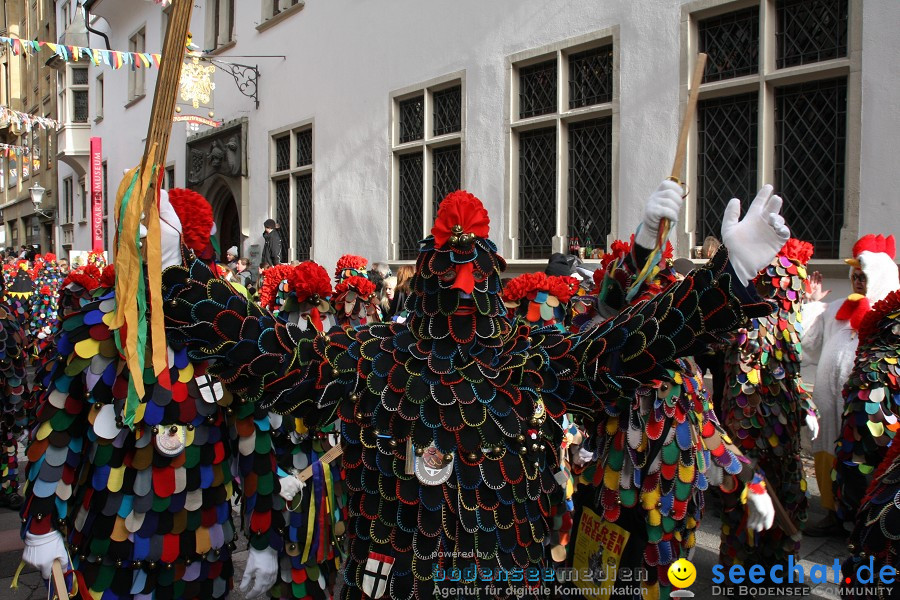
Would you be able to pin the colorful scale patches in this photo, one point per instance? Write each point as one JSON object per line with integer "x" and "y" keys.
{"x": 147, "y": 510}
{"x": 764, "y": 407}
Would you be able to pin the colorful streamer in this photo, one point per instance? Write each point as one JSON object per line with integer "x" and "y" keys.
{"x": 97, "y": 56}
{"x": 26, "y": 121}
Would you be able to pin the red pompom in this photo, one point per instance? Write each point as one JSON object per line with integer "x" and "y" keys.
{"x": 527, "y": 285}
{"x": 309, "y": 279}
{"x": 108, "y": 278}
{"x": 196, "y": 218}
{"x": 797, "y": 250}
{"x": 50, "y": 257}
{"x": 272, "y": 278}
{"x": 463, "y": 209}
{"x": 87, "y": 277}
{"x": 363, "y": 286}
{"x": 350, "y": 261}
{"x": 618, "y": 251}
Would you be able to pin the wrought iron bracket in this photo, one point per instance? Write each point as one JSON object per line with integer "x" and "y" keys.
{"x": 245, "y": 76}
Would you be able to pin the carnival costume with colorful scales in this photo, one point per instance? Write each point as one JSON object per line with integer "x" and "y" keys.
{"x": 446, "y": 464}
{"x": 766, "y": 405}
{"x": 147, "y": 508}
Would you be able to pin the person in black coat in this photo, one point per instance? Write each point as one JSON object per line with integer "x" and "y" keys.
{"x": 272, "y": 249}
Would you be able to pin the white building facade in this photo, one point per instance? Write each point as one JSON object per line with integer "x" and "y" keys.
{"x": 561, "y": 116}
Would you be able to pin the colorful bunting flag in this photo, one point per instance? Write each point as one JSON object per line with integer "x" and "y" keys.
{"x": 97, "y": 56}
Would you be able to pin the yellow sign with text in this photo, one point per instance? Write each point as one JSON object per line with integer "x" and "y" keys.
{"x": 598, "y": 548}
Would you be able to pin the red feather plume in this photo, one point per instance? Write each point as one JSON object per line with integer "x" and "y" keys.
{"x": 363, "y": 286}
{"x": 309, "y": 279}
{"x": 196, "y": 218}
{"x": 463, "y": 209}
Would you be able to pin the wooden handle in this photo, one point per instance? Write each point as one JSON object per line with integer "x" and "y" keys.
{"x": 689, "y": 111}
{"x": 58, "y": 580}
{"x": 166, "y": 92}
{"x": 325, "y": 458}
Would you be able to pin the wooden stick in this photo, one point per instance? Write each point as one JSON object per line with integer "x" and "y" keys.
{"x": 325, "y": 458}
{"x": 59, "y": 580}
{"x": 782, "y": 518}
{"x": 166, "y": 92}
{"x": 688, "y": 119}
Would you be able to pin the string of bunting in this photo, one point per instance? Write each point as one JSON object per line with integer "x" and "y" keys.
{"x": 26, "y": 120}
{"x": 97, "y": 56}
{"x": 7, "y": 150}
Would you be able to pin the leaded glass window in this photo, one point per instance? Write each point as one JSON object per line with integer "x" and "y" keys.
{"x": 283, "y": 212}
{"x": 537, "y": 89}
{"x": 79, "y": 106}
{"x": 811, "y": 31}
{"x": 447, "y": 110}
{"x": 410, "y": 194}
{"x": 537, "y": 192}
{"x": 304, "y": 148}
{"x": 590, "y": 180}
{"x": 446, "y": 177}
{"x": 283, "y": 153}
{"x": 727, "y": 149}
{"x": 732, "y": 43}
{"x": 591, "y": 77}
{"x": 412, "y": 119}
{"x": 810, "y": 151}
{"x": 303, "y": 206}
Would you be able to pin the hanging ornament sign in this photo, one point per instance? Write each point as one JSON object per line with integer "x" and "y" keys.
{"x": 195, "y": 91}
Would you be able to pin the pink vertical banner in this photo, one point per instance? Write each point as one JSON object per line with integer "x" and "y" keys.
{"x": 97, "y": 193}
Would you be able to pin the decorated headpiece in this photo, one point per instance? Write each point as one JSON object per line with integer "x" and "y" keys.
{"x": 350, "y": 265}
{"x": 456, "y": 287}
{"x": 539, "y": 298}
{"x": 875, "y": 243}
{"x": 97, "y": 258}
{"x": 355, "y": 302}
{"x": 797, "y": 250}
{"x": 461, "y": 218}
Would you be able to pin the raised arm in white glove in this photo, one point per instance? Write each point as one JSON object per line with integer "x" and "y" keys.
{"x": 260, "y": 573}
{"x": 41, "y": 550}
{"x": 664, "y": 203}
{"x": 760, "y": 511}
{"x": 290, "y": 485}
{"x": 813, "y": 423}
{"x": 755, "y": 240}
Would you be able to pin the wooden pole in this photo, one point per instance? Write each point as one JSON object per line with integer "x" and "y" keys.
{"x": 166, "y": 93}
{"x": 58, "y": 580}
{"x": 688, "y": 119}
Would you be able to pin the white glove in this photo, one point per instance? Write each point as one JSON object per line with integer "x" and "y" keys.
{"x": 664, "y": 203}
{"x": 262, "y": 569}
{"x": 582, "y": 457}
{"x": 290, "y": 485}
{"x": 754, "y": 241}
{"x": 41, "y": 550}
{"x": 761, "y": 512}
{"x": 813, "y": 423}
{"x": 169, "y": 232}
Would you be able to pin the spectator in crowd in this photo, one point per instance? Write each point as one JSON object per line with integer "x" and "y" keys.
{"x": 271, "y": 253}
{"x": 231, "y": 257}
{"x": 242, "y": 271}
{"x": 63, "y": 266}
{"x": 402, "y": 290}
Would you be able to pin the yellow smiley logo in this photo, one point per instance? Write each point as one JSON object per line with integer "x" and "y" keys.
{"x": 682, "y": 573}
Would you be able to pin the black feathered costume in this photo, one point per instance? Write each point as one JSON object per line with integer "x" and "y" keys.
{"x": 450, "y": 459}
